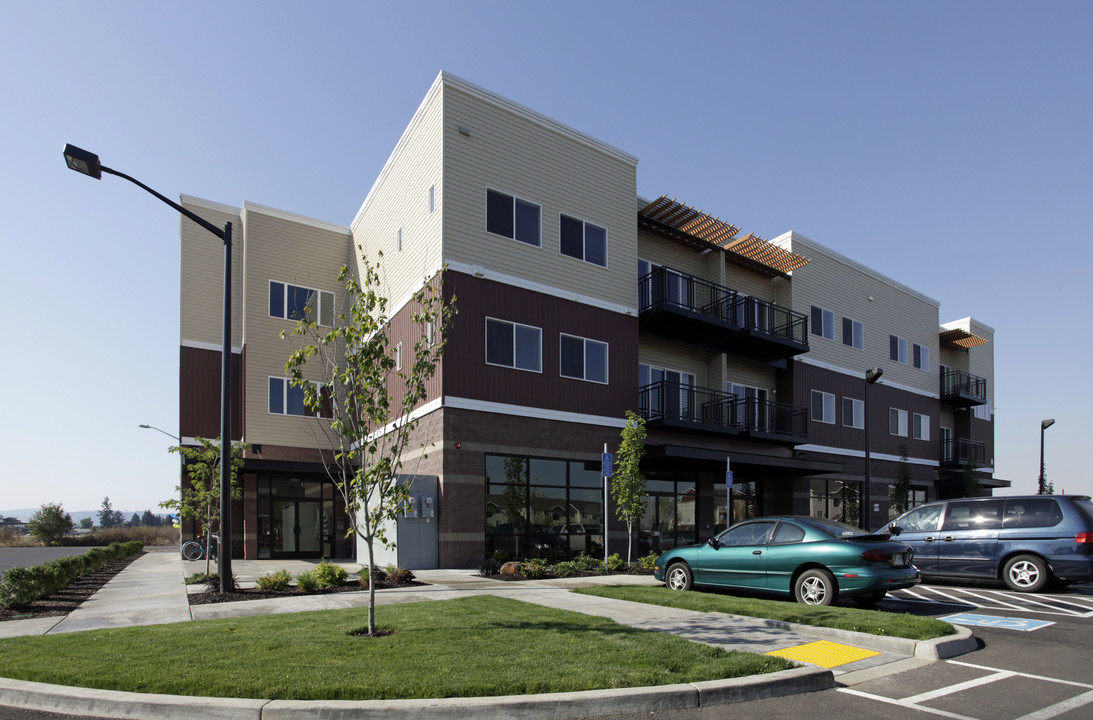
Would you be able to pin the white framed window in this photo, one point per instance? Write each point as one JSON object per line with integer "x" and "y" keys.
{"x": 284, "y": 399}
{"x": 921, "y": 357}
{"x": 982, "y": 412}
{"x": 513, "y": 345}
{"x": 920, "y": 427}
{"x": 398, "y": 356}
{"x": 432, "y": 198}
{"x": 294, "y": 302}
{"x": 853, "y": 413}
{"x": 583, "y": 240}
{"x": 823, "y": 407}
{"x": 897, "y": 349}
{"x": 897, "y": 422}
{"x": 513, "y": 217}
{"x": 947, "y": 450}
{"x": 823, "y": 322}
{"x": 853, "y": 333}
{"x": 583, "y": 359}
{"x": 677, "y": 396}
{"x": 751, "y": 405}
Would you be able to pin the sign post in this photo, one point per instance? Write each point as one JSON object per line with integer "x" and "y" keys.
{"x": 606, "y": 462}
{"x": 728, "y": 491}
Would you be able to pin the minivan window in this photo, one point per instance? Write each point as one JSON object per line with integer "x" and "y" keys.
{"x": 1032, "y": 512}
{"x": 1085, "y": 507}
{"x": 973, "y": 515}
{"x": 921, "y": 519}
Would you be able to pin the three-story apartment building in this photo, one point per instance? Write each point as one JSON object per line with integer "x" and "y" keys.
{"x": 578, "y": 301}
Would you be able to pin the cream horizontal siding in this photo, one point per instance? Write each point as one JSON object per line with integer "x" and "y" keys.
{"x": 672, "y": 254}
{"x": 666, "y": 354}
{"x": 978, "y": 360}
{"x": 202, "y": 275}
{"x": 883, "y": 306}
{"x": 295, "y": 252}
{"x": 749, "y": 373}
{"x": 517, "y": 153}
{"x": 399, "y": 199}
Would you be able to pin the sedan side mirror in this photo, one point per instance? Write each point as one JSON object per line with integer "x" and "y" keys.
{"x": 714, "y": 543}
{"x": 894, "y": 529}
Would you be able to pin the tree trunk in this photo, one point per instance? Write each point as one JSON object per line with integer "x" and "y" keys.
{"x": 371, "y": 588}
{"x": 629, "y": 542}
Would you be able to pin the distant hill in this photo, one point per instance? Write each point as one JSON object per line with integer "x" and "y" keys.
{"x": 77, "y": 515}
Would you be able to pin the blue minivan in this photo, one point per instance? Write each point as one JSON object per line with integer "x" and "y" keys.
{"x": 1027, "y": 542}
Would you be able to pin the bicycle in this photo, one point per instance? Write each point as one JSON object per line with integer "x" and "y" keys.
{"x": 196, "y": 550}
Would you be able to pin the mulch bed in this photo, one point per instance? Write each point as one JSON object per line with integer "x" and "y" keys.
{"x": 70, "y": 598}
{"x": 206, "y": 598}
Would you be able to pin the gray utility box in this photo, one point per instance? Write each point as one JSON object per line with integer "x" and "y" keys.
{"x": 414, "y": 532}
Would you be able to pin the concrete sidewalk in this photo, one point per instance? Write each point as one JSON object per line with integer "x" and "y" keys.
{"x": 151, "y": 591}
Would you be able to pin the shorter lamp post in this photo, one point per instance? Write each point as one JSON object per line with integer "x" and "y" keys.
{"x": 1044, "y": 425}
{"x": 88, "y": 164}
{"x": 871, "y": 378}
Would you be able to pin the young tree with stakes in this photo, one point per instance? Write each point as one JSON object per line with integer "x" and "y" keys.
{"x": 362, "y": 397}
{"x": 900, "y": 495}
{"x": 628, "y": 484}
{"x": 200, "y": 501}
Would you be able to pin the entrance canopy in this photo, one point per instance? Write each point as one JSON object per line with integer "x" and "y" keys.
{"x": 691, "y": 458}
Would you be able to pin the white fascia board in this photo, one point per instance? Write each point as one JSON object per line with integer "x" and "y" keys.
{"x": 480, "y": 271}
{"x": 846, "y": 452}
{"x": 458, "y": 403}
{"x": 785, "y": 241}
{"x": 860, "y": 376}
{"x": 249, "y": 207}
{"x": 967, "y": 324}
{"x": 215, "y": 347}
{"x": 196, "y": 202}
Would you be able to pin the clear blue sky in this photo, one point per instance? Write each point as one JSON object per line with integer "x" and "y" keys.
{"x": 947, "y": 145}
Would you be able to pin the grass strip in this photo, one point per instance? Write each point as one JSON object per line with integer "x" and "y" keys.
{"x": 872, "y": 621}
{"x": 468, "y": 647}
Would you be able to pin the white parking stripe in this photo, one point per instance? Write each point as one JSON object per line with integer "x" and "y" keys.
{"x": 903, "y": 703}
{"x": 1060, "y": 707}
{"x": 950, "y": 689}
{"x": 987, "y": 598}
{"x": 1021, "y": 674}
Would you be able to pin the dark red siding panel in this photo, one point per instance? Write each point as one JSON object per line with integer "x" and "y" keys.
{"x": 199, "y": 393}
{"x": 467, "y": 375}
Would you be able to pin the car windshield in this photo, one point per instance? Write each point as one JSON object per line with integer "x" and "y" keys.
{"x": 833, "y": 528}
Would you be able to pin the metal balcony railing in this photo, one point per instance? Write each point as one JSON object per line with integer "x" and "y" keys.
{"x": 962, "y": 388}
{"x": 961, "y": 451}
{"x": 689, "y": 406}
{"x": 664, "y": 289}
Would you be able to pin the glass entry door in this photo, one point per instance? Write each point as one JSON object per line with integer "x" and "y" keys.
{"x": 296, "y": 527}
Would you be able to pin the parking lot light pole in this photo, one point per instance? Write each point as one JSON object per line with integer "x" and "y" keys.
{"x": 1044, "y": 425}
{"x": 88, "y": 163}
{"x": 871, "y": 378}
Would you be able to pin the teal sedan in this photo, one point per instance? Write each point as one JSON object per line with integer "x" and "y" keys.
{"x": 813, "y": 559}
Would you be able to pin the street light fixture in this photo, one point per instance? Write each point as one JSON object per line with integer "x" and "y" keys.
{"x": 871, "y": 377}
{"x": 1044, "y": 425}
{"x": 153, "y": 427}
{"x": 88, "y": 163}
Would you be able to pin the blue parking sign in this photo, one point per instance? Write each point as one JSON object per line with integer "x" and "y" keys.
{"x": 606, "y": 459}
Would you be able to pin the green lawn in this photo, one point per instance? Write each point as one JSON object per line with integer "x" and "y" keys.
{"x": 872, "y": 621}
{"x": 475, "y": 646}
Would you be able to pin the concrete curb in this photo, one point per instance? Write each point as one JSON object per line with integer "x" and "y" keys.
{"x": 146, "y": 706}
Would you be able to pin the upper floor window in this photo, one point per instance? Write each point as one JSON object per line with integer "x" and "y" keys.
{"x": 921, "y": 357}
{"x": 285, "y": 399}
{"x": 897, "y": 349}
{"x": 583, "y": 359}
{"x": 514, "y": 345}
{"x": 920, "y": 429}
{"x": 853, "y": 413}
{"x": 823, "y": 322}
{"x": 293, "y": 302}
{"x": 823, "y": 407}
{"x": 897, "y": 422}
{"x": 584, "y": 241}
{"x": 513, "y": 218}
{"x": 853, "y": 333}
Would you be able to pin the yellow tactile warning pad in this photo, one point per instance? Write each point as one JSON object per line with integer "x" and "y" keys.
{"x": 825, "y": 654}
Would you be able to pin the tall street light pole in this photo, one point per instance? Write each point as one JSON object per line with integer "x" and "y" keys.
{"x": 88, "y": 163}
{"x": 871, "y": 378}
{"x": 1044, "y": 425}
{"x": 153, "y": 427}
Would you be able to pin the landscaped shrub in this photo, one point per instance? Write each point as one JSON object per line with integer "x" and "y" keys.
{"x": 274, "y": 582}
{"x": 587, "y": 562}
{"x": 328, "y": 575}
{"x": 532, "y": 570}
{"x": 19, "y": 587}
{"x": 196, "y": 579}
{"x": 648, "y": 562}
{"x": 564, "y": 569}
{"x": 615, "y": 563}
{"x": 212, "y": 583}
{"x": 306, "y": 581}
{"x": 398, "y": 576}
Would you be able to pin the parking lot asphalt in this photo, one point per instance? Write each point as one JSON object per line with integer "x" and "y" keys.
{"x": 152, "y": 591}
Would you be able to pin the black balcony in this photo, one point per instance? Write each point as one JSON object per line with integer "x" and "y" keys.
{"x": 961, "y": 389}
{"x": 958, "y": 452}
{"x": 718, "y": 318}
{"x": 686, "y": 407}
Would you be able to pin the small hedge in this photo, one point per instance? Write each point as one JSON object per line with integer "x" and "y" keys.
{"x": 20, "y": 586}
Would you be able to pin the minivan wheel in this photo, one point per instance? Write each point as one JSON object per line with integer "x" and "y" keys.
{"x": 679, "y": 577}
{"x": 816, "y": 587}
{"x": 1026, "y": 573}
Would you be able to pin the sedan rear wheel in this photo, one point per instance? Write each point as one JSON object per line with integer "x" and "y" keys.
{"x": 816, "y": 587}
{"x": 679, "y": 577}
{"x": 1026, "y": 573}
